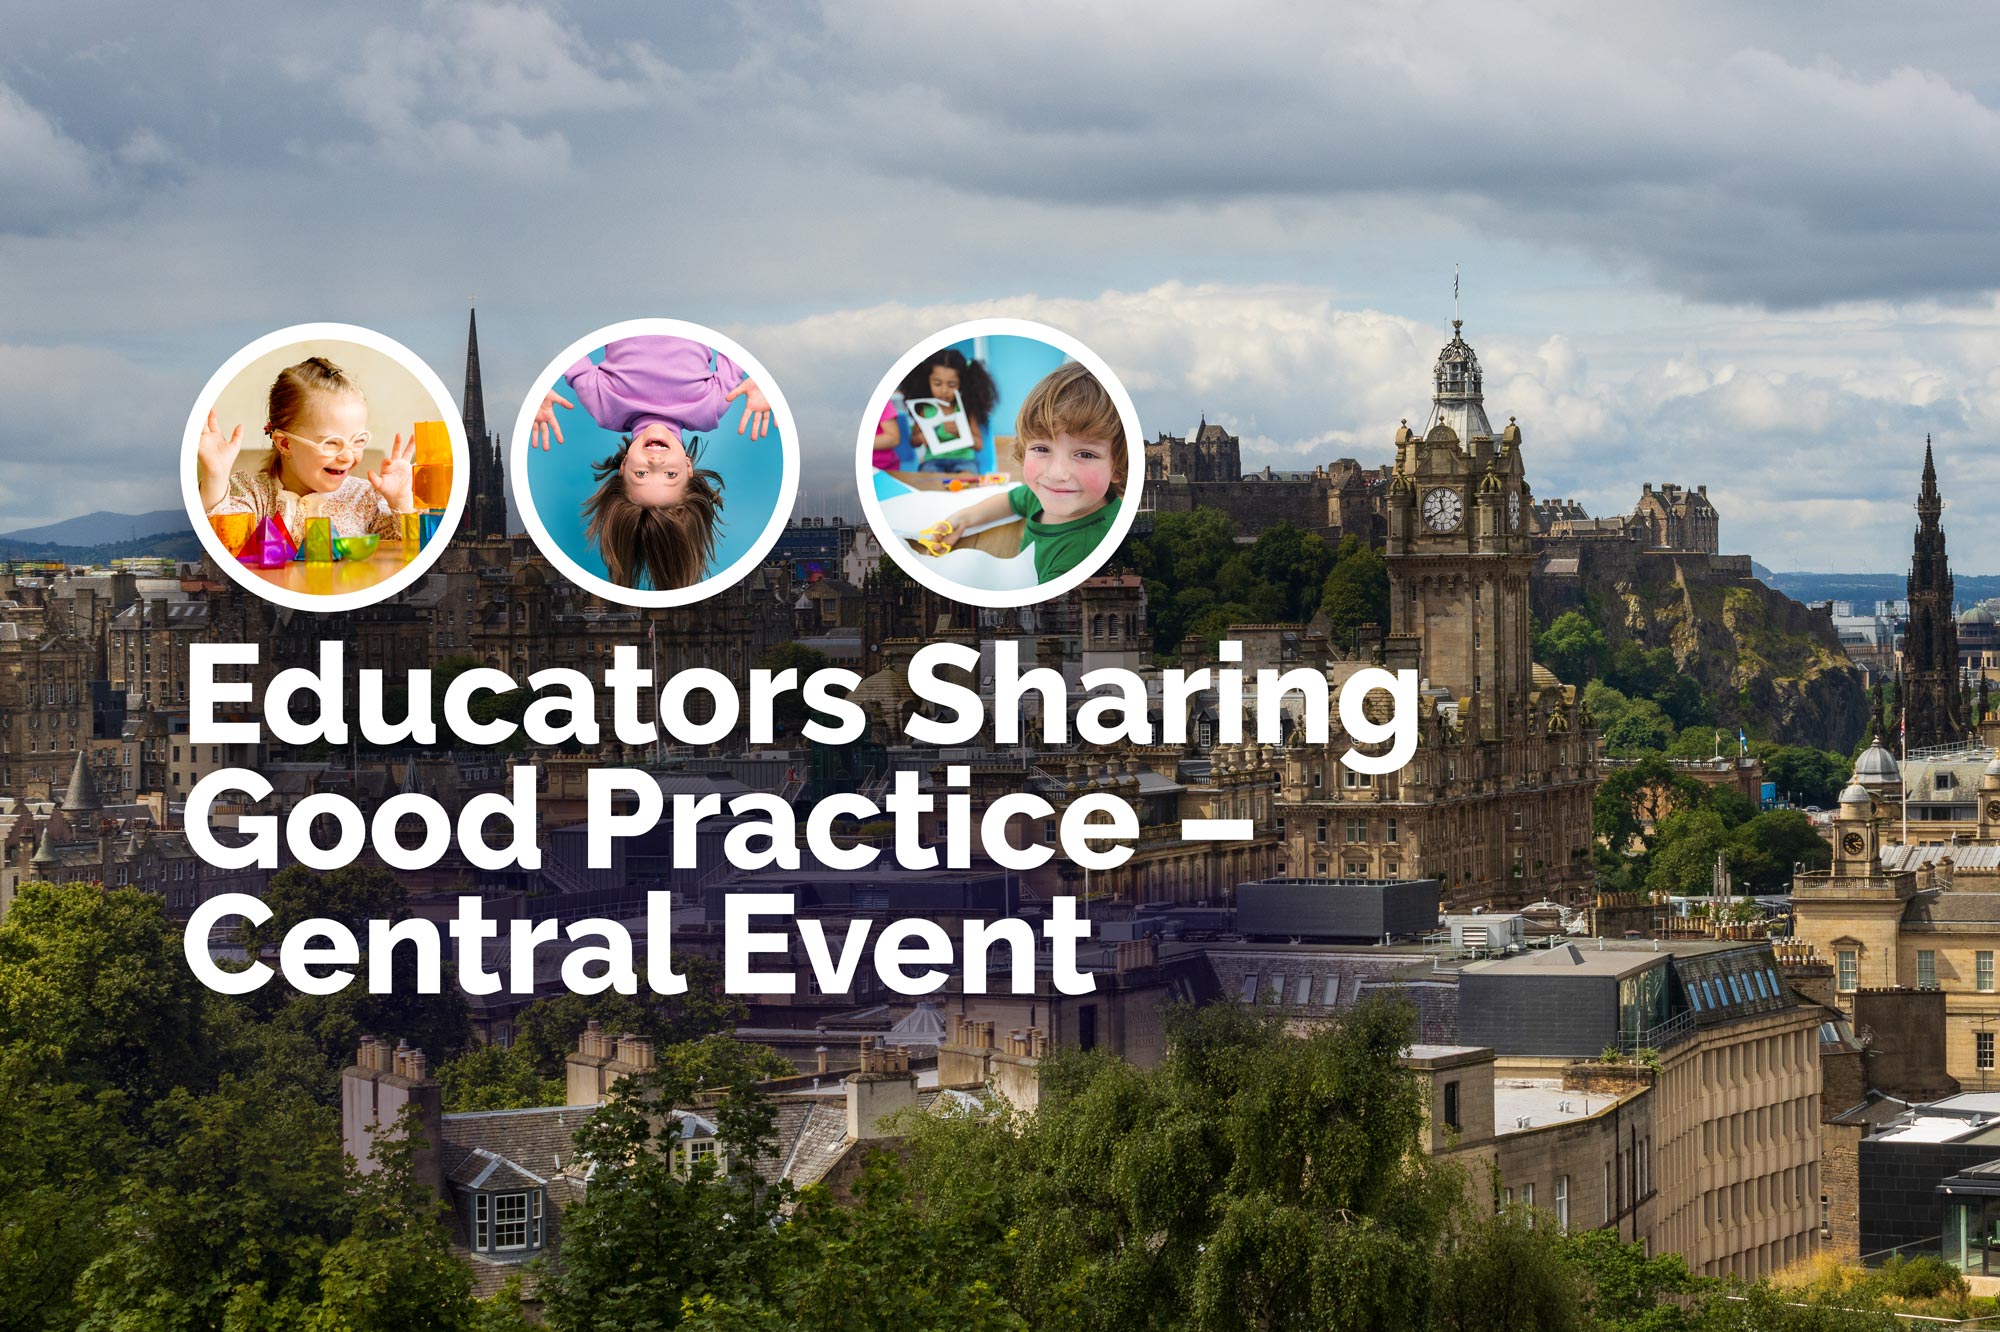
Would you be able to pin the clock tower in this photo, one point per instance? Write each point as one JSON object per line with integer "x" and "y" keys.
{"x": 1459, "y": 552}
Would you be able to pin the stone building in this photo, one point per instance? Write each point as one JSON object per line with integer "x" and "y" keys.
{"x": 1933, "y": 703}
{"x": 1205, "y": 470}
{"x": 1496, "y": 805}
{"x": 1674, "y": 519}
{"x": 1210, "y": 454}
{"x": 1889, "y": 916}
{"x": 507, "y": 1176}
{"x": 1728, "y": 1149}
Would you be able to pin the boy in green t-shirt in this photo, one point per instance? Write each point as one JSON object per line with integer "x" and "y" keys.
{"x": 1071, "y": 445}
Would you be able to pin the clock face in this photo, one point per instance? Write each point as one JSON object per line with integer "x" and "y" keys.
{"x": 1993, "y": 809}
{"x": 1514, "y": 511}
{"x": 1442, "y": 509}
{"x": 1852, "y": 844}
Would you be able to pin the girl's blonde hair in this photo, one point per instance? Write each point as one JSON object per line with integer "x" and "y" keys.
{"x": 671, "y": 545}
{"x": 290, "y": 392}
{"x": 1070, "y": 401}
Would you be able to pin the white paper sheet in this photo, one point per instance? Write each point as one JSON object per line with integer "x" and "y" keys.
{"x": 910, "y": 513}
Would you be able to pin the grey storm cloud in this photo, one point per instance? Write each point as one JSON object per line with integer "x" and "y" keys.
{"x": 1773, "y": 161}
{"x": 1746, "y": 245}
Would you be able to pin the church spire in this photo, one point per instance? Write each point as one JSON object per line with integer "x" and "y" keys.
{"x": 1930, "y": 504}
{"x": 475, "y": 393}
{"x": 486, "y": 499}
{"x": 1934, "y": 704}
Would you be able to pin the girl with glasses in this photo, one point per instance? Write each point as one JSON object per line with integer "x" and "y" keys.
{"x": 318, "y": 427}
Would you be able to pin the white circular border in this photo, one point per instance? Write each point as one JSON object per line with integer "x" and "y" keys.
{"x": 403, "y": 578}
{"x": 788, "y": 484}
{"x": 923, "y": 570}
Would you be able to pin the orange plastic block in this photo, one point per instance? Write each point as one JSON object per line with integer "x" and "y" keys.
{"x": 233, "y": 529}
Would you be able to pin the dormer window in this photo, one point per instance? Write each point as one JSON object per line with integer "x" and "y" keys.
{"x": 507, "y": 1223}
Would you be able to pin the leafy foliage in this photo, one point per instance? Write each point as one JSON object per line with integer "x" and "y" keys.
{"x": 1200, "y": 578}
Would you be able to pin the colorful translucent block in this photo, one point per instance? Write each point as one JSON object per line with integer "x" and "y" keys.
{"x": 269, "y": 547}
{"x": 356, "y": 547}
{"x": 412, "y": 525}
{"x": 431, "y": 475}
{"x": 433, "y": 444}
{"x": 233, "y": 529}
{"x": 432, "y": 518}
{"x": 431, "y": 484}
{"x": 317, "y": 548}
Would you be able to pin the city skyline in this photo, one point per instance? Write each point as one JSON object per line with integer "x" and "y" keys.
{"x": 1697, "y": 252}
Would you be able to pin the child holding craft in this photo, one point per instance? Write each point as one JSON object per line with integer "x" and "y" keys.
{"x": 318, "y": 427}
{"x": 1070, "y": 442}
{"x": 961, "y": 385}
{"x": 654, "y": 513}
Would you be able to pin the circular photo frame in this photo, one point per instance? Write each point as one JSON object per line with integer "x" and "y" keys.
{"x": 571, "y": 466}
{"x": 923, "y": 458}
{"x": 354, "y": 546}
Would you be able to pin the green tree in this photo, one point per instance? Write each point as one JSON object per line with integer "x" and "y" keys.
{"x": 1764, "y": 851}
{"x": 882, "y": 1264}
{"x": 1807, "y": 776}
{"x": 490, "y": 1077}
{"x": 1293, "y": 563}
{"x": 1640, "y": 727}
{"x": 652, "y": 1232}
{"x": 247, "y": 1214}
{"x": 1356, "y": 592}
{"x": 352, "y": 895}
{"x": 1685, "y": 846}
{"x": 94, "y": 982}
{"x": 1629, "y": 1291}
{"x": 1504, "y": 1274}
{"x": 1634, "y": 796}
{"x": 1254, "y": 1179}
{"x": 1573, "y": 647}
{"x": 62, "y": 1150}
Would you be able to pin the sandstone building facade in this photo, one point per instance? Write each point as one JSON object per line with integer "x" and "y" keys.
{"x": 1496, "y": 805}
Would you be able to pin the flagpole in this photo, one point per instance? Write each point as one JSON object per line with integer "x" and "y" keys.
{"x": 1902, "y": 774}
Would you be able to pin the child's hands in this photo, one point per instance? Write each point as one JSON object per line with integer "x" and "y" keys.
{"x": 545, "y": 423}
{"x": 756, "y": 409}
{"x": 396, "y": 482}
{"x": 216, "y": 458}
{"x": 940, "y": 536}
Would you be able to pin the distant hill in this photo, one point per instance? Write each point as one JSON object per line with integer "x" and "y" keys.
{"x": 95, "y": 529}
{"x": 1867, "y": 589}
{"x": 181, "y": 545}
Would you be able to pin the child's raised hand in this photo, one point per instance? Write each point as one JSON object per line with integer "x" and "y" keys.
{"x": 545, "y": 421}
{"x": 756, "y": 409}
{"x": 396, "y": 482}
{"x": 217, "y": 455}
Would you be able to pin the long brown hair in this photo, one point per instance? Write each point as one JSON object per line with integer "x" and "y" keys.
{"x": 290, "y": 392}
{"x": 671, "y": 545}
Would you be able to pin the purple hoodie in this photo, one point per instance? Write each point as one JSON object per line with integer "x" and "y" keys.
{"x": 643, "y": 380}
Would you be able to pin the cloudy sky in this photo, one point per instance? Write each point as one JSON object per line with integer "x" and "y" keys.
{"x": 1755, "y": 250}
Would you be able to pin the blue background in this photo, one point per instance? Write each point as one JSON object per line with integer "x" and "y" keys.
{"x": 560, "y": 479}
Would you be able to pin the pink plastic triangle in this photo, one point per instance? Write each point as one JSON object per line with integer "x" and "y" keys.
{"x": 270, "y": 546}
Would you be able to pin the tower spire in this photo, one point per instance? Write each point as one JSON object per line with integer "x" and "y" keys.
{"x": 1934, "y": 706}
{"x": 475, "y": 393}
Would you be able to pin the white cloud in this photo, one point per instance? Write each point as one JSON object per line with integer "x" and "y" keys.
{"x": 50, "y": 177}
{"x": 1812, "y": 465}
